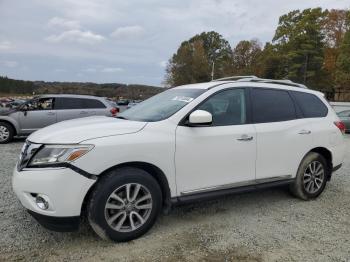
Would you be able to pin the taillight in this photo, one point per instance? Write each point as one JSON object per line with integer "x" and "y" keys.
{"x": 114, "y": 111}
{"x": 341, "y": 126}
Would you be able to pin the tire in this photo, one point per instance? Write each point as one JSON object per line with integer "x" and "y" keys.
{"x": 308, "y": 184}
{"x": 112, "y": 190}
{"x": 6, "y": 133}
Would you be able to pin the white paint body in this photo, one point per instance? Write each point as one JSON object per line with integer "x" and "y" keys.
{"x": 192, "y": 158}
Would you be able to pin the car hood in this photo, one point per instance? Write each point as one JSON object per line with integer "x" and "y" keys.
{"x": 77, "y": 130}
{"x": 6, "y": 111}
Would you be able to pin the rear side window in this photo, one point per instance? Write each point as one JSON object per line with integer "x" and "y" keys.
{"x": 69, "y": 103}
{"x": 310, "y": 105}
{"x": 272, "y": 105}
{"x": 77, "y": 103}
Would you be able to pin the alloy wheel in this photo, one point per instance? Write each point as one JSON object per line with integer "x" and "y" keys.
{"x": 313, "y": 177}
{"x": 4, "y": 133}
{"x": 128, "y": 207}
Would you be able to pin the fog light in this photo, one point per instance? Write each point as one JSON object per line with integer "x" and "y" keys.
{"x": 41, "y": 202}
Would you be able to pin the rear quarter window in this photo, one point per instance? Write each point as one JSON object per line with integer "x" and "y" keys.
{"x": 93, "y": 103}
{"x": 310, "y": 105}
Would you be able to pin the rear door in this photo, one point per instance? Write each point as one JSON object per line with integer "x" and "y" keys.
{"x": 69, "y": 108}
{"x": 38, "y": 113}
{"x": 283, "y": 136}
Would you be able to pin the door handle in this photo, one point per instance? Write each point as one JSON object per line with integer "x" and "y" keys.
{"x": 51, "y": 113}
{"x": 304, "y": 132}
{"x": 83, "y": 112}
{"x": 245, "y": 138}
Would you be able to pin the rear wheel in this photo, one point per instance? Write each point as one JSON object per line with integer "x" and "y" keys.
{"x": 125, "y": 204}
{"x": 6, "y": 133}
{"x": 311, "y": 178}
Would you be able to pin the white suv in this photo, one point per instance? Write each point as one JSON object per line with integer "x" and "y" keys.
{"x": 188, "y": 143}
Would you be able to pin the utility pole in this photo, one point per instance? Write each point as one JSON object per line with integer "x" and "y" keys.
{"x": 305, "y": 68}
{"x": 212, "y": 70}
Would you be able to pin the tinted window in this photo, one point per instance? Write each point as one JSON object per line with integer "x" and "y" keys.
{"x": 272, "y": 105}
{"x": 93, "y": 103}
{"x": 77, "y": 103}
{"x": 227, "y": 107}
{"x": 69, "y": 103}
{"x": 310, "y": 105}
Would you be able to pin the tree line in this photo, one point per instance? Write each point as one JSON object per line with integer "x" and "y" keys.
{"x": 310, "y": 46}
{"x": 19, "y": 87}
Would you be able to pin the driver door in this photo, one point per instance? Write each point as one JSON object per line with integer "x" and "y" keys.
{"x": 38, "y": 113}
{"x": 221, "y": 155}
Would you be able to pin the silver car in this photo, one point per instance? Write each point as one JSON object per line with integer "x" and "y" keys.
{"x": 46, "y": 110}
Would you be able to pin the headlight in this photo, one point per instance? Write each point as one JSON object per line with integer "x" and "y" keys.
{"x": 56, "y": 154}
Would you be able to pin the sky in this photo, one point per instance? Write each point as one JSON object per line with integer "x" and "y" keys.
{"x": 124, "y": 41}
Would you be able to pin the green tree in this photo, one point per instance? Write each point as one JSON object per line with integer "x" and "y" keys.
{"x": 194, "y": 59}
{"x": 300, "y": 39}
{"x": 271, "y": 63}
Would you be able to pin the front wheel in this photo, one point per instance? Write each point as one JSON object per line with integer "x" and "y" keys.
{"x": 311, "y": 178}
{"x": 124, "y": 204}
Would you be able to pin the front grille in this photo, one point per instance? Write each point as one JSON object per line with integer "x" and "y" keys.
{"x": 28, "y": 150}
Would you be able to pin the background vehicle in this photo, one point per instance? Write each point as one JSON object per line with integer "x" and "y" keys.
{"x": 340, "y": 106}
{"x": 345, "y": 118}
{"x": 188, "y": 143}
{"x": 122, "y": 102}
{"x": 133, "y": 103}
{"x": 45, "y": 110}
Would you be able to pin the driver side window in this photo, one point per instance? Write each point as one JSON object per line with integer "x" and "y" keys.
{"x": 40, "y": 104}
{"x": 227, "y": 107}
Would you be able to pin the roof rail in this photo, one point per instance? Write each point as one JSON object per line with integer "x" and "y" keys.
{"x": 253, "y": 78}
{"x": 234, "y": 78}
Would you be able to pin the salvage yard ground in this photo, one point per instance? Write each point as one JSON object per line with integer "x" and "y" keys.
{"x": 268, "y": 225}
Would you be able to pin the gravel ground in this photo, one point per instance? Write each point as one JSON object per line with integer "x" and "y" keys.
{"x": 268, "y": 225}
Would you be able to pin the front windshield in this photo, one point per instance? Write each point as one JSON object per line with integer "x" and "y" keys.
{"x": 161, "y": 106}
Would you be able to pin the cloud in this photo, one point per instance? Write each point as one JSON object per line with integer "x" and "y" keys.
{"x": 112, "y": 70}
{"x": 60, "y": 70}
{"x": 64, "y": 23}
{"x": 100, "y": 69}
{"x": 10, "y": 64}
{"x": 5, "y": 45}
{"x": 163, "y": 63}
{"x": 128, "y": 32}
{"x": 90, "y": 70}
{"x": 78, "y": 36}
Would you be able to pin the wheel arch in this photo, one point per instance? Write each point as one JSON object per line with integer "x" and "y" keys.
{"x": 153, "y": 170}
{"x": 11, "y": 124}
{"x": 327, "y": 155}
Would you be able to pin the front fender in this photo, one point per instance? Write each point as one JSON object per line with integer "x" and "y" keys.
{"x": 13, "y": 122}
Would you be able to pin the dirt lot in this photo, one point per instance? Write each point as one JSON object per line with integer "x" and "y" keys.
{"x": 268, "y": 225}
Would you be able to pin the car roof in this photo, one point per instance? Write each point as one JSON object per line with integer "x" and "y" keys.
{"x": 71, "y": 95}
{"x": 242, "y": 83}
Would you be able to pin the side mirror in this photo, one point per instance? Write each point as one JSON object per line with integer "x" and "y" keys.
{"x": 200, "y": 117}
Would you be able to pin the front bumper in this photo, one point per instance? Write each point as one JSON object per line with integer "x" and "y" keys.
{"x": 63, "y": 188}
{"x": 59, "y": 224}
